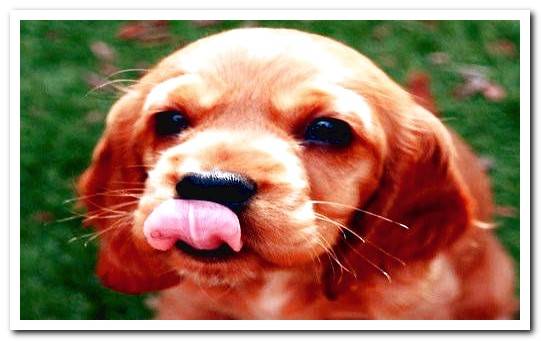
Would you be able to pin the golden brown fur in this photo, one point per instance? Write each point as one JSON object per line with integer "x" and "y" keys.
{"x": 388, "y": 227}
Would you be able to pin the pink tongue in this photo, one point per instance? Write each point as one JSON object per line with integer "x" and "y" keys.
{"x": 203, "y": 225}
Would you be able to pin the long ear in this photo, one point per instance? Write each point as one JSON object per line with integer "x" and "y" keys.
{"x": 421, "y": 205}
{"x": 110, "y": 153}
{"x": 123, "y": 264}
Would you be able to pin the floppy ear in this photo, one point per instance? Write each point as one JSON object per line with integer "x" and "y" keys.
{"x": 421, "y": 197}
{"x": 124, "y": 264}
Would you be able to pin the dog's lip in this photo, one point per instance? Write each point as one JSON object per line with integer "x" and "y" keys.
{"x": 220, "y": 254}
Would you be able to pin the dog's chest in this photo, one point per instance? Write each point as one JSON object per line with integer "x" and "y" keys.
{"x": 273, "y": 296}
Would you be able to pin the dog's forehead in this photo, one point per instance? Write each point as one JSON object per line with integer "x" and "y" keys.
{"x": 263, "y": 50}
{"x": 249, "y": 67}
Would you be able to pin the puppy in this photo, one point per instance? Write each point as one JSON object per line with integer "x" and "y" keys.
{"x": 276, "y": 174}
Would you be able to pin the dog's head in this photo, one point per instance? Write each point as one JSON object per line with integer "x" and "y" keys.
{"x": 260, "y": 148}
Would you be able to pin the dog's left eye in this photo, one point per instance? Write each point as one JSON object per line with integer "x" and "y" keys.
{"x": 170, "y": 122}
{"x": 328, "y": 131}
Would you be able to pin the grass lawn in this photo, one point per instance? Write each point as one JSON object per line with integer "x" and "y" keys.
{"x": 61, "y": 122}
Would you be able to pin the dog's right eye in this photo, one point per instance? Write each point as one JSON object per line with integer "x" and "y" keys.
{"x": 328, "y": 131}
{"x": 170, "y": 122}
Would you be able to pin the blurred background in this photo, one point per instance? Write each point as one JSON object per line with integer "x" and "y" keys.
{"x": 72, "y": 72}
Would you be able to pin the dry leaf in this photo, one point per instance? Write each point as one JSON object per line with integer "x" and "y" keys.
{"x": 476, "y": 81}
{"x": 439, "y": 58}
{"x": 94, "y": 80}
{"x": 154, "y": 31}
{"x": 494, "y": 92}
{"x": 205, "y": 23}
{"x": 487, "y": 163}
{"x": 431, "y": 24}
{"x": 43, "y": 217}
{"x": 382, "y": 31}
{"x": 103, "y": 51}
{"x": 505, "y": 211}
{"x": 108, "y": 69}
{"x": 502, "y": 47}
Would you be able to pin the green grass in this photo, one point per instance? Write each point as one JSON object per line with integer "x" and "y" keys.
{"x": 60, "y": 126}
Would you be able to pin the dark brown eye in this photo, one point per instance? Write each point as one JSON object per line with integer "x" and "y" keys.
{"x": 170, "y": 122}
{"x": 328, "y": 131}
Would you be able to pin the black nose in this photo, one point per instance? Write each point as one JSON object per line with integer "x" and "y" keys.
{"x": 229, "y": 189}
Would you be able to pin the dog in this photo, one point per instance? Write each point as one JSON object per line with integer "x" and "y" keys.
{"x": 275, "y": 174}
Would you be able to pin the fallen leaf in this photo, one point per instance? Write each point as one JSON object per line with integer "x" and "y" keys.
{"x": 98, "y": 82}
{"x": 131, "y": 31}
{"x": 494, "y": 92}
{"x": 154, "y": 31}
{"x": 43, "y": 217}
{"x": 505, "y": 211}
{"x": 476, "y": 81}
{"x": 469, "y": 88}
{"x": 108, "y": 69}
{"x": 205, "y": 23}
{"x": 103, "y": 51}
{"x": 431, "y": 24}
{"x": 487, "y": 163}
{"x": 439, "y": 58}
{"x": 502, "y": 47}
{"x": 382, "y": 31}
{"x": 94, "y": 80}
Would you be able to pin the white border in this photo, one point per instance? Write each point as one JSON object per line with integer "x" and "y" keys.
{"x": 273, "y": 14}
{"x": 14, "y": 170}
{"x": 522, "y": 15}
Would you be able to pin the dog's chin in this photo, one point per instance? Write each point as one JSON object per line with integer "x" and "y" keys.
{"x": 219, "y": 267}
{"x": 222, "y": 267}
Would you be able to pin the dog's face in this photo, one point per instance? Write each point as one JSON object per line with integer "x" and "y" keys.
{"x": 246, "y": 150}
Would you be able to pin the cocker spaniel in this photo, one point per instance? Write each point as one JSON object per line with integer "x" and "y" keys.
{"x": 275, "y": 174}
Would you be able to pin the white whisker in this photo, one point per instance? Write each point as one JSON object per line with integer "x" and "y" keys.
{"x": 361, "y": 210}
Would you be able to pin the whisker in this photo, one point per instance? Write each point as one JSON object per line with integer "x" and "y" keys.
{"x": 112, "y": 82}
{"x": 383, "y": 272}
{"x": 105, "y": 214}
{"x": 124, "y": 203}
{"x": 91, "y": 236}
{"x": 73, "y": 217}
{"x": 361, "y": 210}
{"x": 325, "y": 218}
{"x": 125, "y": 71}
{"x": 73, "y": 239}
{"x": 329, "y": 250}
{"x": 484, "y": 225}
{"x": 313, "y": 254}
{"x": 386, "y": 253}
{"x": 328, "y": 256}
{"x": 108, "y": 193}
{"x": 114, "y": 208}
{"x": 119, "y": 223}
{"x": 110, "y": 216}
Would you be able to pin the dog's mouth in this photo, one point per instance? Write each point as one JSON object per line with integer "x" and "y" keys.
{"x": 220, "y": 254}
{"x": 201, "y": 229}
